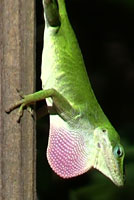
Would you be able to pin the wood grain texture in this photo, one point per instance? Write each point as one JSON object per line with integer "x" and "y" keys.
{"x": 17, "y": 71}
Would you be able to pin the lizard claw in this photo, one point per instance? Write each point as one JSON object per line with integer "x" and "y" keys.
{"x": 30, "y": 110}
{"x": 19, "y": 115}
{"x": 20, "y": 93}
{"x": 21, "y": 104}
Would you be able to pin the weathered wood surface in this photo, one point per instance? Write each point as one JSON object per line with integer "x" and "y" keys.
{"x": 17, "y": 71}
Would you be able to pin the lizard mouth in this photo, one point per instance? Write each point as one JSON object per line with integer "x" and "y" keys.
{"x": 116, "y": 175}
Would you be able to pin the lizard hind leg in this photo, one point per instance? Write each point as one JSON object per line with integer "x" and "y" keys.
{"x": 51, "y": 13}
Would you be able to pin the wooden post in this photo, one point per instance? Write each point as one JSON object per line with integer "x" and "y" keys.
{"x": 17, "y": 71}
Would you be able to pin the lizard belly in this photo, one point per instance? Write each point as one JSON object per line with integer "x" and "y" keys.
{"x": 63, "y": 69}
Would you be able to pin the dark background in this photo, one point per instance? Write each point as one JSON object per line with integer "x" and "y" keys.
{"x": 105, "y": 32}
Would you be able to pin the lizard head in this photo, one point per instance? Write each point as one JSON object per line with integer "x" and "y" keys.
{"x": 72, "y": 152}
{"x": 109, "y": 154}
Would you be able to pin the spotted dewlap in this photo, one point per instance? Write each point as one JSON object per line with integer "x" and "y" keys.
{"x": 66, "y": 151}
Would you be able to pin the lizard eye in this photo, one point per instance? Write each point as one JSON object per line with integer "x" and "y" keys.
{"x": 118, "y": 151}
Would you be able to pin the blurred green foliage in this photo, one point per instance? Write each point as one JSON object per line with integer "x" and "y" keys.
{"x": 105, "y": 32}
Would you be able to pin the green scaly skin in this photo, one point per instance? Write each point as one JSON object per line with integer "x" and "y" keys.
{"x": 67, "y": 90}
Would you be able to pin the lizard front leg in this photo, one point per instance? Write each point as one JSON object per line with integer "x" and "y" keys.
{"x": 60, "y": 104}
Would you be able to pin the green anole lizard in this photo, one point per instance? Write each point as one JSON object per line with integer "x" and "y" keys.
{"x": 81, "y": 137}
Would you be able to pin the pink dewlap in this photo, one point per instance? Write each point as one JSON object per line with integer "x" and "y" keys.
{"x": 65, "y": 152}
